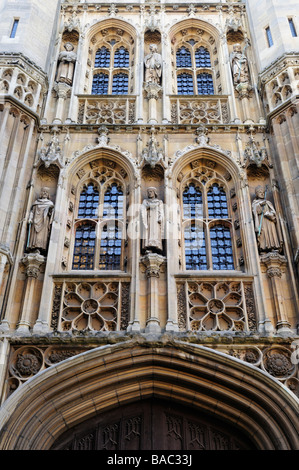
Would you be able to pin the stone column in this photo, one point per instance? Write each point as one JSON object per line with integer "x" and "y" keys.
{"x": 5, "y": 257}
{"x": 33, "y": 263}
{"x": 153, "y": 93}
{"x": 275, "y": 265}
{"x": 153, "y": 262}
{"x": 63, "y": 92}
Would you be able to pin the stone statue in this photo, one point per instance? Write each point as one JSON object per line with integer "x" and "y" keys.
{"x": 239, "y": 65}
{"x": 152, "y": 216}
{"x": 40, "y": 220}
{"x": 265, "y": 222}
{"x": 66, "y": 64}
{"x": 153, "y": 65}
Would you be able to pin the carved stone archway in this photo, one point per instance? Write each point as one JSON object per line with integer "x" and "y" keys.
{"x": 108, "y": 377}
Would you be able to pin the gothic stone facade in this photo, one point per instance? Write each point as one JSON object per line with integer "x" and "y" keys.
{"x": 149, "y": 231}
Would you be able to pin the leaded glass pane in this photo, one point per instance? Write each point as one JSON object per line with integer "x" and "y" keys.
{"x": 102, "y": 58}
{"x": 84, "y": 248}
{"x": 217, "y": 203}
{"x": 113, "y": 202}
{"x": 121, "y": 57}
{"x": 183, "y": 58}
{"x": 192, "y": 202}
{"x": 221, "y": 247}
{"x": 120, "y": 84}
{"x": 202, "y": 57}
{"x": 185, "y": 84}
{"x": 205, "y": 84}
{"x": 195, "y": 247}
{"x": 100, "y": 84}
{"x": 110, "y": 252}
{"x": 89, "y": 202}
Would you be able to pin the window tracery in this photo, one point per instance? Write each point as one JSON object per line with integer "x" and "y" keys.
{"x": 99, "y": 221}
{"x": 194, "y": 70}
{"x": 208, "y": 229}
{"x": 111, "y": 62}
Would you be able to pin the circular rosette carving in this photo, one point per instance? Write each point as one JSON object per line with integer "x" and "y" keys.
{"x": 216, "y": 306}
{"x": 277, "y": 362}
{"x": 26, "y": 362}
{"x": 91, "y": 307}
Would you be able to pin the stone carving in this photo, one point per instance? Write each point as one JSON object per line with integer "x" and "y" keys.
{"x": 152, "y": 154}
{"x": 197, "y": 112}
{"x": 94, "y": 306}
{"x": 152, "y": 216}
{"x": 255, "y": 155}
{"x": 239, "y": 65}
{"x": 217, "y": 306}
{"x": 40, "y": 221}
{"x": 51, "y": 153}
{"x": 277, "y": 362}
{"x": 265, "y": 223}
{"x": 153, "y": 65}
{"x": 66, "y": 64}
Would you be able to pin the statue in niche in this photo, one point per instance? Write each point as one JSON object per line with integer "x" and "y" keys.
{"x": 40, "y": 221}
{"x": 239, "y": 65}
{"x": 66, "y": 64}
{"x": 265, "y": 222}
{"x": 153, "y": 65}
{"x": 152, "y": 216}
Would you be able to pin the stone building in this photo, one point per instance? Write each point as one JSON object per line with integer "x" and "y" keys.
{"x": 149, "y": 234}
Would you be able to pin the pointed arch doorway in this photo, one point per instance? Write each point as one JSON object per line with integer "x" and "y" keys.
{"x": 153, "y": 424}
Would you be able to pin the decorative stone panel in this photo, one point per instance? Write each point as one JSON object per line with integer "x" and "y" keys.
{"x": 90, "y": 306}
{"x": 199, "y": 110}
{"x": 106, "y": 111}
{"x": 217, "y": 305}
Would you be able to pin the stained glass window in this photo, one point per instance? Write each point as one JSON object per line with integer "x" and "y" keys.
{"x": 89, "y": 202}
{"x": 185, "y": 84}
{"x": 202, "y": 57}
{"x": 217, "y": 203}
{"x": 221, "y": 246}
{"x": 183, "y": 58}
{"x": 205, "y": 84}
{"x": 100, "y": 84}
{"x": 110, "y": 251}
{"x": 192, "y": 202}
{"x": 113, "y": 202}
{"x": 84, "y": 249}
{"x": 195, "y": 247}
{"x": 102, "y": 58}
{"x": 121, "y": 58}
{"x": 120, "y": 84}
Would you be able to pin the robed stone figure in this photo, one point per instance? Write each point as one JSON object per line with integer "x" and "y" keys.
{"x": 152, "y": 216}
{"x": 40, "y": 221}
{"x": 66, "y": 64}
{"x": 239, "y": 65}
{"x": 153, "y": 65}
{"x": 265, "y": 222}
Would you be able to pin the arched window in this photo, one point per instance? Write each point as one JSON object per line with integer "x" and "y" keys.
{"x": 110, "y": 252}
{"x": 89, "y": 202}
{"x": 121, "y": 57}
{"x": 183, "y": 58}
{"x": 102, "y": 58}
{"x": 207, "y": 227}
{"x": 99, "y": 226}
{"x": 84, "y": 248}
{"x": 197, "y": 78}
{"x": 185, "y": 84}
{"x": 205, "y": 84}
{"x": 113, "y": 202}
{"x": 107, "y": 79}
{"x": 120, "y": 84}
{"x": 100, "y": 84}
{"x": 202, "y": 57}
